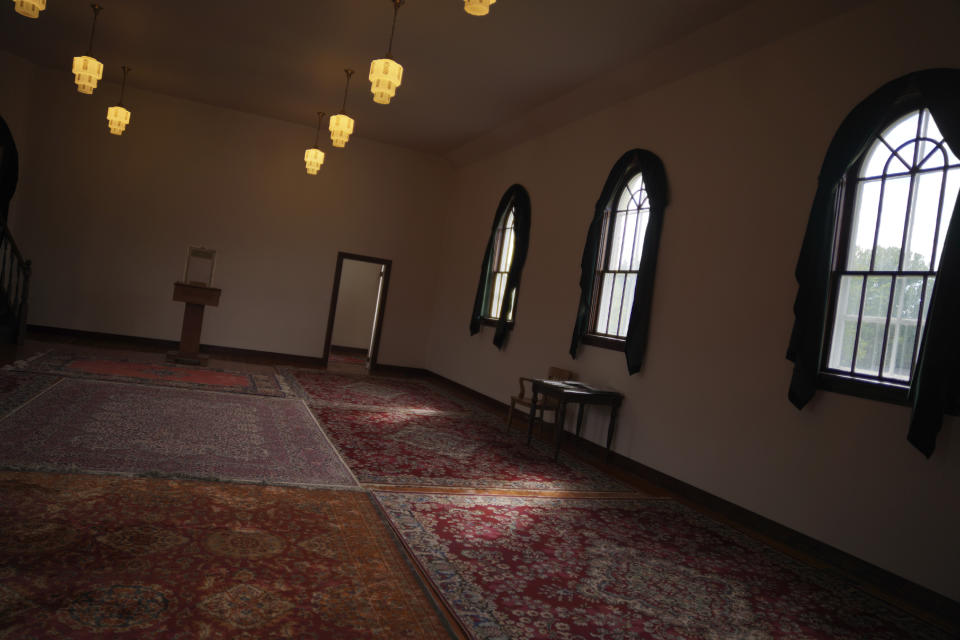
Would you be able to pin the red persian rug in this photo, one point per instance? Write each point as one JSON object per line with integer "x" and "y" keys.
{"x": 111, "y": 427}
{"x": 372, "y": 392}
{"x": 137, "y": 558}
{"x": 457, "y": 450}
{"x": 155, "y": 373}
{"x": 16, "y": 389}
{"x": 537, "y": 568}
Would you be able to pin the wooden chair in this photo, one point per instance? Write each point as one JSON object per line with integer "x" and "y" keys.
{"x": 543, "y": 404}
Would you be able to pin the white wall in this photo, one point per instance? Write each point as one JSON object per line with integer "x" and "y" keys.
{"x": 356, "y": 304}
{"x": 742, "y": 142}
{"x": 107, "y": 220}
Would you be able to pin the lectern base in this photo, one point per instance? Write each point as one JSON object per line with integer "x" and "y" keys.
{"x": 179, "y": 357}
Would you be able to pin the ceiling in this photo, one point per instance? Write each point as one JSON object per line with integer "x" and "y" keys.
{"x": 463, "y": 75}
{"x": 470, "y": 83}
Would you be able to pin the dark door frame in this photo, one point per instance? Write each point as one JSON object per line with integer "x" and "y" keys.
{"x": 381, "y": 303}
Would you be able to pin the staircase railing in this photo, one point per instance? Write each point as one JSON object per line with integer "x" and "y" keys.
{"x": 14, "y": 284}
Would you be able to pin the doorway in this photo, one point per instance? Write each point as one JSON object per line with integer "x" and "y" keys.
{"x": 357, "y": 304}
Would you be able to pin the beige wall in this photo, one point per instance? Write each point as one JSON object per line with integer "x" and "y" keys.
{"x": 742, "y": 142}
{"x": 107, "y": 220}
{"x": 356, "y": 304}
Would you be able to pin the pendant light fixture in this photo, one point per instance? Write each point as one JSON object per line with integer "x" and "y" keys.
{"x": 314, "y": 157}
{"x": 117, "y": 116}
{"x": 30, "y": 8}
{"x": 341, "y": 125}
{"x": 477, "y": 7}
{"x": 87, "y": 70}
{"x": 386, "y": 73}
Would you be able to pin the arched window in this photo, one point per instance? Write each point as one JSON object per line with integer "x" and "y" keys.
{"x": 620, "y": 256}
{"x": 878, "y": 296}
{"x": 625, "y": 227}
{"x": 505, "y": 240}
{"x": 898, "y": 200}
{"x": 496, "y": 299}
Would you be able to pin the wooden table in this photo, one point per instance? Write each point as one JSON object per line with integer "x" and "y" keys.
{"x": 582, "y": 395}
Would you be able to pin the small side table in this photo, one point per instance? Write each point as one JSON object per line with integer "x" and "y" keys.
{"x": 196, "y": 298}
{"x": 582, "y": 395}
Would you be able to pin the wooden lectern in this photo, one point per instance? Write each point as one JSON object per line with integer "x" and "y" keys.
{"x": 196, "y": 298}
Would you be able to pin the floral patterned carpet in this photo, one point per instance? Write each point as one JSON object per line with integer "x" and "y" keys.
{"x": 538, "y": 568}
{"x": 320, "y": 388}
{"x": 114, "y": 427}
{"x": 64, "y": 363}
{"x": 86, "y": 556}
{"x": 450, "y": 449}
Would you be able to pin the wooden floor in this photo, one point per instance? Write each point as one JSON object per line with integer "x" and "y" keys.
{"x": 252, "y": 362}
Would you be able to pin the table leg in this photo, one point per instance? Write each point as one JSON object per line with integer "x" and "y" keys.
{"x": 533, "y": 412}
{"x": 614, "y": 409}
{"x": 561, "y": 418}
{"x": 579, "y": 418}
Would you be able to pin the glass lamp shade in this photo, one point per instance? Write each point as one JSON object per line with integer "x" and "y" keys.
{"x": 117, "y": 119}
{"x": 30, "y": 8}
{"x": 477, "y": 7}
{"x": 87, "y": 72}
{"x": 341, "y": 126}
{"x": 385, "y": 77}
{"x": 314, "y": 159}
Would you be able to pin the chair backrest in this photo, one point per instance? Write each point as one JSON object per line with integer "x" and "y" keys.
{"x": 556, "y": 373}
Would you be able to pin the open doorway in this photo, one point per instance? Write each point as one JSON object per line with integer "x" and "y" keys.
{"x": 356, "y": 310}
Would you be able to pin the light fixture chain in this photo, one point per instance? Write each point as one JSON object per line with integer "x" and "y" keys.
{"x": 393, "y": 29}
{"x": 93, "y": 28}
{"x": 123, "y": 84}
{"x": 346, "y": 89}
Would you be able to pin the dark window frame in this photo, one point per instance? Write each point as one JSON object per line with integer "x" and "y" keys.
{"x": 499, "y": 233}
{"x": 594, "y": 337}
{"x": 631, "y": 164}
{"x": 515, "y": 200}
{"x": 868, "y": 386}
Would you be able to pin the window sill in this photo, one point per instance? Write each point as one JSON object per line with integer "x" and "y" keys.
{"x": 859, "y": 388}
{"x": 493, "y": 322}
{"x": 604, "y": 342}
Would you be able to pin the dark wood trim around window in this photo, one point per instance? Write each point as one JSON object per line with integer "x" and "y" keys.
{"x": 605, "y": 342}
{"x": 493, "y": 322}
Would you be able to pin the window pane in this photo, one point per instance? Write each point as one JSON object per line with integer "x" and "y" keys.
{"x": 875, "y": 161}
{"x": 616, "y": 241}
{"x": 845, "y": 322}
{"x": 923, "y": 222}
{"x": 603, "y": 306}
{"x": 629, "y": 238}
{"x": 506, "y": 255}
{"x": 496, "y": 299}
{"x": 893, "y": 211}
{"x": 615, "y": 301}
{"x": 927, "y": 295}
{"x": 876, "y": 299}
{"x": 949, "y": 203}
{"x": 903, "y": 327}
{"x": 864, "y": 226}
{"x": 630, "y": 288}
{"x": 639, "y": 239}
{"x": 902, "y": 130}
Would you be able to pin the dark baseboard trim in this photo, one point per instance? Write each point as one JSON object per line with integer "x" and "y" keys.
{"x": 911, "y": 593}
{"x": 352, "y": 351}
{"x": 160, "y": 344}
